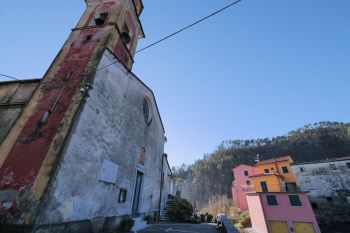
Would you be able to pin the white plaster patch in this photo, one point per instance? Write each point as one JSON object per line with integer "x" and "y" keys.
{"x": 66, "y": 209}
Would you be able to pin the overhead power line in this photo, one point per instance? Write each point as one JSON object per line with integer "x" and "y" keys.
{"x": 164, "y": 38}
{"x": 181, "y": 30}
{"x": 191, "y": 25}
{"x": 10, "y": 77}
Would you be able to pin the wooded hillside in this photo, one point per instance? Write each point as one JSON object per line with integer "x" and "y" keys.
{"x": 212, "y": 175}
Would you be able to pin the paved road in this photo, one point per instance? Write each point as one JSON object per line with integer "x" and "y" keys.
{"x": 181, "y": 228}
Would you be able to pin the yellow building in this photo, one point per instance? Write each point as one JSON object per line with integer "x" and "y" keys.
{"x": 274, "y": 175}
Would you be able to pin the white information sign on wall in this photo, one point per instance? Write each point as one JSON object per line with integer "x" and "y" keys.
{"x": 109, "y": 172}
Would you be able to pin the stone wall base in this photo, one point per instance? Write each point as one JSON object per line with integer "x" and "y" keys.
{"x": 97, "y": 225}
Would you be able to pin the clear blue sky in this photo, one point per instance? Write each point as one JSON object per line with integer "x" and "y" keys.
{"x": 259, "y": 69}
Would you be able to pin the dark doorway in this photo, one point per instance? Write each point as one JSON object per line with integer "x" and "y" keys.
{"x": 264, "y": 187}
{"x": 137, "y": 192}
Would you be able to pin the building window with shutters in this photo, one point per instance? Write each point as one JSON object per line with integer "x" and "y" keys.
{"x": 294, "y": 200}
{"x": 271, "y": 200}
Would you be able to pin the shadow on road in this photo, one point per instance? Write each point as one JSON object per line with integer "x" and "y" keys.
{"x": 181, "y": 228}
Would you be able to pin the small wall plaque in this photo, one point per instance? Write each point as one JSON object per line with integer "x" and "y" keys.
{"x": 109, "y": 172}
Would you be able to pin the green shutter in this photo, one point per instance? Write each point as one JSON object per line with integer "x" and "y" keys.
{"x": 294, "y": 200}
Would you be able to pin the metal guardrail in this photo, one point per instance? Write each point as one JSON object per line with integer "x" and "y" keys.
{"x": 228, "y": 225}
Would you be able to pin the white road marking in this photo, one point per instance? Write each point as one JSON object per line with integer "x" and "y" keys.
{"x": 167, "y": 230}
{"x": 186, "y": 231}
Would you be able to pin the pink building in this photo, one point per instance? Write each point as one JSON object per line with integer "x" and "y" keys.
{"x": 242, "y": 185}
{"x": 282, "y": 212}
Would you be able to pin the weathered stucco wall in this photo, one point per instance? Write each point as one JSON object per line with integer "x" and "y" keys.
{"x": 32, "y": 148}
{"x": 111, "y": 127}
{"x": 13, "y": 98}
{"x": 321, "y": 180}
{"x": 328, "y": 184}
{"x": 167, "y": 183}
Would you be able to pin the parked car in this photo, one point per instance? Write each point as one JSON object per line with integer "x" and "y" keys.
{"x": 219, "y": 219}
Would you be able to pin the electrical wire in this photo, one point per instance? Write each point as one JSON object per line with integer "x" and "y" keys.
{"x": 191, "y": 25}
{"x": 181, "y": 30}
{"x": 7, "y": 76}
{"x": 166, "y": 37}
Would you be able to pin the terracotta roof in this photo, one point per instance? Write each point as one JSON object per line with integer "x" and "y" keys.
{"x": 264, "y": 174}
{"x": 273, "y": 160}
{"x": 243, "y": 165}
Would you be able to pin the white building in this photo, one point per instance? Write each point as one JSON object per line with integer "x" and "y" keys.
{"x": 328, "y": 184}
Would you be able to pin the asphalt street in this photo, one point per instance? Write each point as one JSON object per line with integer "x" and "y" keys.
{"x": 181, "y": 228}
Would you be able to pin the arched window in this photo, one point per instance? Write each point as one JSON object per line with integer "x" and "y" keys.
{"x": 147, "y": 111}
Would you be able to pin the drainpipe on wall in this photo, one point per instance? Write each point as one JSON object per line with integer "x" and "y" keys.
{"x": 161, "y": 185}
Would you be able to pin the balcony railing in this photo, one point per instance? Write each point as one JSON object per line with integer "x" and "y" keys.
{"x": 248, "y": 188}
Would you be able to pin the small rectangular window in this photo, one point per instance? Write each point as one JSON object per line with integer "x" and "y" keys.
{"x": 246, "y": 173}
{"x": 285, "y": 169}
{"x": 267, "y": 170}
{"x": 348, "y": 165}
{"x": 332, "y": 166}
{"x": 294, "y": 200}
{"x": 248, "y": 182}
{"x": 122, "y": 196}
{"x": 271, "y": 200}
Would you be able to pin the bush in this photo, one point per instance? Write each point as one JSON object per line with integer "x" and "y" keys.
{"x": 126, "y": 224}
{"x": 243, "y": 220}
{"x": 180, "y": 210}
{"x": 210, "y": 218}
{"x": 148, "y": 218}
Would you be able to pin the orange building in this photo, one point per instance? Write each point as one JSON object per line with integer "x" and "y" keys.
{"x": 274, "y": 175}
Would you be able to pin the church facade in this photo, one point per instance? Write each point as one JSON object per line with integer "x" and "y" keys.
{"x": 86, "y": 145}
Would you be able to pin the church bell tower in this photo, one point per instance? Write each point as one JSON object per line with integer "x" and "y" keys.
{"x": 30, "y": 153}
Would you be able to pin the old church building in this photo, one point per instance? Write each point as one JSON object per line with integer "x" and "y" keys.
{"x": 84, "y": 145}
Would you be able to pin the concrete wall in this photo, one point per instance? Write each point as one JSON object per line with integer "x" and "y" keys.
{"x": 284, "y": 211}
{"x": 276, "y": 168}
{"x": 240, "y": 187}
{"x": 167, "y": 182}
{"x": 257, "y": 214}
{"x": 13, "y": 98}
{"x": 274, "y": 182}
{"x": 261, "y": 213}
{"x": 111, "y": 127}
{"x": 320, "y": 180}
{"x": 328, "y": 189}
